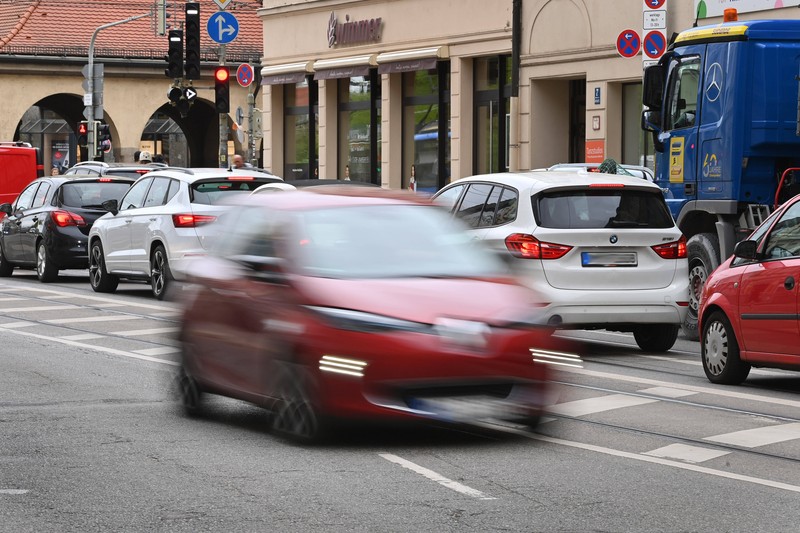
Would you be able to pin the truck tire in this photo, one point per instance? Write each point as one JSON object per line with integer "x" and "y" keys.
{"x": 703, "y": 252}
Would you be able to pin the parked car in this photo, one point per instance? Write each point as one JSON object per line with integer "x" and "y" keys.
{"x": 162, "y": 222}
{"x": 602, "y": 249}
{"x": 749, "y": 304}
{"x": 47, "y": 226}
{"x": 358, "y": 303}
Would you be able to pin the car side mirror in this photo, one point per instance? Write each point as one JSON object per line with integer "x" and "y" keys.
{"x": 746, "y": 249}
{"x": 261, "y": 268}
{"x": 112, "y": 206}
{"x": 6, "y": 208}
{"x": 651, "y": 120}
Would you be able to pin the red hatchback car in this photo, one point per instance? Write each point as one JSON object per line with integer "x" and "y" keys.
{"x": 356, "y": 303}
{"x": 749, "y": 307}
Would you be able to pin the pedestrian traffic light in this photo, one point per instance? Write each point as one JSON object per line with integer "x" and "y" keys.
{"x": 192, "y": 27}
{"x": 83, "y": 133}
{"x": 222, "y": 96}
{"x": 103, "y": 138}
{"x": 174, "y": 69}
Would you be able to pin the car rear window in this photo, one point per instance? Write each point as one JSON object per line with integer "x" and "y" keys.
{"x": 91, "y": 194}
{"x": 212, "y": 192}
{"x": 602, "y": 208}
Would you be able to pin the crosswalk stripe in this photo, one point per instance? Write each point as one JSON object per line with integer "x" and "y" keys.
{"x": 136, "y": 332}
{"x": 753, "y": 438}
{"x": 163, "y": 350}
{"x": 597, "y": 405}
{"x": 107, "y": 318}
{"x": 684, "y": 452}
{"x": 667, "y": 392}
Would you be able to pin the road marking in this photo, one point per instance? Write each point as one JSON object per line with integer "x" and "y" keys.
{"x": 38, "y": 308}
{"x": 667, "y": 392}
{"x": 112, "y": 351}
{"x": 684, "y": 452}
{"x": 136, "y": 332}
{"x": 13, "y": 299}
{"x": 65, "y": 294}
{"x": 82, "y": 337}
{"x": 752, "y": 438}
{"x": 163, "y": 350}
{"x": 13, "y": 491}
{"x": 109, "y": 318}
{"x": 754, "y": 371}
{"x": 433, "y": 476}
{"x": 597, "y": 405}
{"x": 20, "y": 324}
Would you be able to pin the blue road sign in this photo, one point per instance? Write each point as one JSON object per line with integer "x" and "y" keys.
{"x": 222, "y": 27}
{"x": 654, "y": 4}
{"x": 628, "y": 43}
{"x": 245, "y": 75}
{"x": 655, "y": 43}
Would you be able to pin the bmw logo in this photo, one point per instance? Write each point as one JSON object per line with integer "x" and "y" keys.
{"x": 613, "y": 239}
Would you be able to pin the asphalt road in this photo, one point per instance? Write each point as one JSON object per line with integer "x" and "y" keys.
{"x": 91, "y": 440}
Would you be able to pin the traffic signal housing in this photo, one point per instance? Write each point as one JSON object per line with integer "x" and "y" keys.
{"x": 83, "y": 133}
{"x": 222, "y": 94}
{"x": 192, "y": 27}
{"x": 174, "y": 68}
{"x": 103, "y": 138}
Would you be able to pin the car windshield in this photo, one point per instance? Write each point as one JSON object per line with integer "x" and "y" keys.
{"x": 211, "y": 192}
{"x": 91, "y": 194}
{"x": 602, "y": 208}
{"x": 389, "y": 242}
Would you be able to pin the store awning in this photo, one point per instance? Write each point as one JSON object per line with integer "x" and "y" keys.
{"x": 286, "y": 73}
{"x": 345, "y": 67}
{"x": 411, "y": 60}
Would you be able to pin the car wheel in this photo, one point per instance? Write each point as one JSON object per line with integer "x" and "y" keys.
{"x": 100, "y": 280}
{"x": 160, "y": 275}
{"x": 656, "y": 337}
{"x": 46, "y": 271}
{"x": 294, "y": 414}
{"x": 720, "y": 352}
{"x": 703, "y": 252}
{"x": 189, "y": 392}
{"x": 6, "y": 268}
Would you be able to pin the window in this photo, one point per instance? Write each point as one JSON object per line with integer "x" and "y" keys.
{"x": 592, "y": 209}
{"x": 449, "y": 197}
{"x": 359, "y": 128}
{"x": 41, "y": 195}
{"x": 784, "y": 240}
{"x": 472, "y": 205}
{"x": 507, "y": 207}
{"x": 682, "y": 94}
{"x": 492, "y": 93}
{"x": 301, "y": 130}
{"x": 90, "y": 194}
{"x": 135, "y": 196}
{"x": 157, "y": 193}
{"x": 25, "y": 199}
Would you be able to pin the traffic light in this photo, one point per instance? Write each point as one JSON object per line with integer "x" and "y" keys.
{"x": 174, "y": 69}
{"x": 103, "y": 138}
{"x": 83, "y": 133}
{"x": 192, "y": 27}
{"x": 222, "y": 95}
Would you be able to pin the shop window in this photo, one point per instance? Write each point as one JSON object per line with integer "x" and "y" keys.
{"x": 492, "y": 102}
{"x": 301, "y": 130}
{"x": 359, "y": 128}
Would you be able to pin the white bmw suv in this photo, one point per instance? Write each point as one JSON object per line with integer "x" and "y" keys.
{"x": 161, "y": 223}
{"x": 601, "y": 249}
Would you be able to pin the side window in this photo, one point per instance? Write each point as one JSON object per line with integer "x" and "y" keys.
{"x": 25, "y": 199}
{"x": 682, "y": 96}
{"x": 487, "y": 216}
{"x": 174, "y": 186}
{"x": 41, "y": 195}
{"x": 507, "y": 207}
{"x": 472, "y": 205}
{"x": 449, "y": 197}
{"x": 784, "y": 239}
{"x": 158, "y": 192}
{"x": 135, "y": 196}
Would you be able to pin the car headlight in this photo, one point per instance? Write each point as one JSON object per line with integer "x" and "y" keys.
{"x": 360, "y": 321}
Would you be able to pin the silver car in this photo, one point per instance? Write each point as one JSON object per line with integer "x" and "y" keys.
{"x": 602, "y": 250}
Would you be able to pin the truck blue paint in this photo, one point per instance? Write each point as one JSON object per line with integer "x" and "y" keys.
{"x": 722, "y": 105}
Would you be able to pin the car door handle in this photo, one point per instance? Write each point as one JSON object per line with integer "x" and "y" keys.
{"x": 153, "y": 219}
{"x": 788, "y": 283}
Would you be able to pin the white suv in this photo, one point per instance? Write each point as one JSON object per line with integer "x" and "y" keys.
{"x": 601, "y": 249}
{"x": 161, "y": 223}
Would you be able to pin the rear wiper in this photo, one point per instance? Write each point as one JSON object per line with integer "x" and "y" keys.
{"x": 92, "y": 206}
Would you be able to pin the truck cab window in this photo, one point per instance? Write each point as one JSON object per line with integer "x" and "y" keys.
{"x": 682, "y": 95}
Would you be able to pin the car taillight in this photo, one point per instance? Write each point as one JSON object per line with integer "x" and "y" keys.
{"x": 104, "y": 180}
{"x": 241, "y": 178}
{"x": 606, "y": 185}
{"x": 63, "y": 219}
{"x": 191, "y": 221}
{"x": 527, "y": 246}
{"x": 672, "y": 250}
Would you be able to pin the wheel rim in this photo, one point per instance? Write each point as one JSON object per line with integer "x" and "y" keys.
{"x": 715, "y": 352}
{"x": 157, "y": 272}
{"x": 697, "y": 278}
{"x": 187, "y": 389}
{"x": 41, "y": 259}
{"x": 295, "y": 415}
{"x": 95, "y": 266}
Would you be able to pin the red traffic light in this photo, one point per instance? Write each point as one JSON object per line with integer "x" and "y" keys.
{"x": 221, "y": 74}
{"x": 83, "y": 128}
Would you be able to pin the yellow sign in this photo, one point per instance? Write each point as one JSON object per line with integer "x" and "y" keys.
{"x": 717, "y": 32}
{"x": 676, "y": 160}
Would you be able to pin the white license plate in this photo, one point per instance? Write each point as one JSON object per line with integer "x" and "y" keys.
{"x": 609, "y": 259}
{"x": 462, "y": 409}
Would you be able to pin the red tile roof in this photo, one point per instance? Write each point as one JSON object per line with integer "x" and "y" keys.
{"x": 65, "y": 28}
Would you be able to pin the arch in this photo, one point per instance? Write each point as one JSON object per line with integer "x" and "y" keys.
{"x": 549, "y": 30}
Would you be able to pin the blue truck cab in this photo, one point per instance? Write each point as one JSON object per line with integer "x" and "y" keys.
{"x": 722, "y": 105}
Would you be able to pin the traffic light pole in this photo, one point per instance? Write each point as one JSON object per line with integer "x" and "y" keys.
{"x": 223, "y": 123}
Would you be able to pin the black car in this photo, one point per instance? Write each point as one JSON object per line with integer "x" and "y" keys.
{"x": 47, "y": 226}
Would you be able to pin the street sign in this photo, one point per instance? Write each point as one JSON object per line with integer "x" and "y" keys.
{"x": 655, "y": 43}
{"x": 191, "y": 94}
{"x": 222, "y": 27}
{"x": 245, "y": 75}
{"x": 222, "y": 3}
{"x": 654, "y": 4}
{"x": 628, "y": 43}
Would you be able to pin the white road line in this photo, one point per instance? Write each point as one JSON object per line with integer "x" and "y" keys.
{"x": 597, "y": 405}
{"x": 82, "y": 337}
{"x": 13, "y": 299}
{"x": 102, "y": 349}
{"x": 20, "y": 324}
{"x": 136, "y": 332}
{"x": 109, "y": 318}
{"x": 684, "y": 452}
{"x": 658, "y": 383}
{"x": 667, "y": 392}
{"x": 13, "y": 491}
{"x": 163, "y": 350}
{"x": 65, "y": 294}
{"x": 752, "y": 438}
{"x": 38, "y": 308}
{"x": 754, "y": 371}
{"x": 438, "y": 478}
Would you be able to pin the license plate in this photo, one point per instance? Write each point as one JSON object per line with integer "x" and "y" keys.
{"x": 462, "y": 409}
{"x": 609, "y": 259}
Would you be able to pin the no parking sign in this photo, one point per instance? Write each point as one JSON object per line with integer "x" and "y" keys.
{"x": 628, "y": 43}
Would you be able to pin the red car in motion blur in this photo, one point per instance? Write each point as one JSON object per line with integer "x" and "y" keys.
{"x": 355, "y": 303}
{"x": 749, "y": 308}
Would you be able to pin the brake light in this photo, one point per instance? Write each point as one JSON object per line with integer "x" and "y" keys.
{"x": 142, "y": 171}
{"x": 241, "y": 178}
{"x": 191, "y": 221}
{"x": 606, "y": 185}
{"x": 672, "y": 250}
{"x": 529, "y": 247}
{"x": 104, "y": 180}
{"x": 63, "y": 219}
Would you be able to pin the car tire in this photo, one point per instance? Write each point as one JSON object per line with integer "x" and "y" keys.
{"x": 190, "y": 395}
{"x": 719, "y": 351}
{"x": 6, "y": 268}
{"x": 656, "y": 337}
{"x": 99, "y": 278}
{"x": 295, "y": 415}
{"x": 46, "y": 270}
{"x": 703, "y": 252}
{"x": 160, "y": 274}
